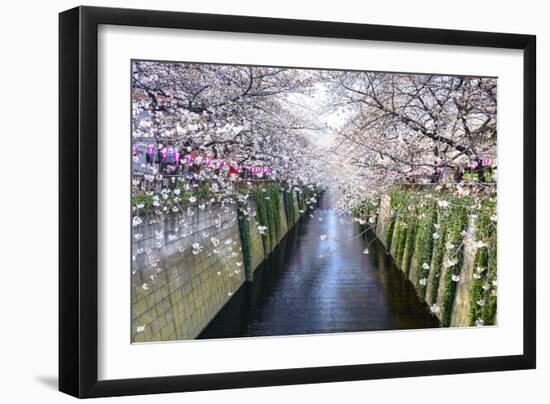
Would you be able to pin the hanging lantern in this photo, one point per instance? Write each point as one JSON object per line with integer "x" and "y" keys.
{"x": 177, "y": 156}
{"x": 150, "y": 151}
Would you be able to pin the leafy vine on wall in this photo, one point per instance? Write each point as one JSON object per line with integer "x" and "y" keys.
{"x": 427, "y": 232}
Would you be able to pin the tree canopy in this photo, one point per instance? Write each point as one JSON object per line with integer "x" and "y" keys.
{"x": 360, "y": 132}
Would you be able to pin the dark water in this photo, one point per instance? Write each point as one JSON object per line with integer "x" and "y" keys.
{"x": 296, "y": 292}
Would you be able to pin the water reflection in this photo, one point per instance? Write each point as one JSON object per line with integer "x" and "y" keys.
{"x": 297, "y": 292}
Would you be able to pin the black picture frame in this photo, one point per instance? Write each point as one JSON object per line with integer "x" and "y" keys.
{"x": 78, "y": 201}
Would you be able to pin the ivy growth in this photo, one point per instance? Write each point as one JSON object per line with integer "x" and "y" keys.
{"x": 290, "y": 211}
{"x": 482, "y": 293}
{"x": 423, "y": 247}
{"x": 427, "y": 231}
{"x": 275, "y": 209}
{"x": 458, "y": 222}
{"x": 438, "y": 255}
{"x": 244, "y": 233}
{"x": 268, "y": 214}
{"x": 409, "y": 245}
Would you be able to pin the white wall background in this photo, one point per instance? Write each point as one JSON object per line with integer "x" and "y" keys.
{"x": 28, "y": 200}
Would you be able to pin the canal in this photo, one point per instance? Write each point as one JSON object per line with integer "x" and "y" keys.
{"x": 295, "y": 291}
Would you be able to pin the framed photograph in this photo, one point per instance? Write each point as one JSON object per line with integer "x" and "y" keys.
{"x": 251, "y": 201}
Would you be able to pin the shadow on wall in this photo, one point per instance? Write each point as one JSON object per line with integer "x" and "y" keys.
{"x": 50, "y": 382}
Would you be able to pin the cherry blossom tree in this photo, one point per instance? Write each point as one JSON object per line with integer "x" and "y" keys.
{"x": 392, "y": 128}
{"x": 405, "y": 128}
{"x": 238, "y": 113}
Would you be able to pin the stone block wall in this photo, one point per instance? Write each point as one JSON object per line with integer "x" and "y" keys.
{"x": 176, "y": 289}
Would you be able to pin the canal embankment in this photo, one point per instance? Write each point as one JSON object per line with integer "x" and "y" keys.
{"x": 188, "y": 264}
{"x": 447, "y": 252}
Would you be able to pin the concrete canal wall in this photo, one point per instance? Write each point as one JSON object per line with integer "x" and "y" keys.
{"x": 177, "y": 289}
{"x": 460, "y": 314}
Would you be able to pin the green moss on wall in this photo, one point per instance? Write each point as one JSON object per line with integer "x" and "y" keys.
{"x": 438, "y": 254}
{"x": 301, "y": 203}
{"x": 389, "y": 233}
{"x": 457, "y": 223}
{"x": 268, "y": 214}
{"x": 262, "y": 215}
{"x": 426, "y": 231}
{"x": 482, "y": 293}
{"x": 244, "y": 234}
{"x": 409, "y": 244}
{"x": 395, "y": 237}
{"x": 401, "y": 237}
{"x": 423, "y": 246}
{"x": 290, "y": 211}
